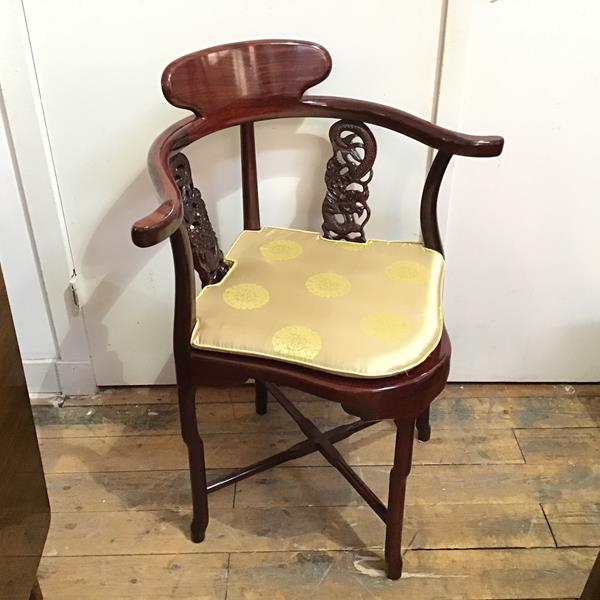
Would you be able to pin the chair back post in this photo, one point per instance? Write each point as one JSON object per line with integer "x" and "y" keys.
{"x": 429, "y": 221}
{"x": 249, "y": 177}
{"x": 185, "y": 301}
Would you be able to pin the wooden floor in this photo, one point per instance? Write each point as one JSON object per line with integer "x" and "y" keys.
{"x": 503, "y": 502}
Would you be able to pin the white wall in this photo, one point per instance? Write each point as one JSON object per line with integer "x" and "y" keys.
{"x": 20, "y": 268}
{"x": 28, "y": 173}
{"x": 523, "y": 280}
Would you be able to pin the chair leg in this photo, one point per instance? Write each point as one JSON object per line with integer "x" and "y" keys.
{"x": 423, "y": 426}
{"x": 193, "y": 441}
{"x": 36, "y": 592}
{"x": 397, "y": 491}
{"x": 260, "y": 400}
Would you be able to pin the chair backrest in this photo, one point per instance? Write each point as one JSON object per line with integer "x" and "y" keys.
{"x": 240, "y": 83}
{"x": 243, "y": 78}
{"x": 244, "y": 74}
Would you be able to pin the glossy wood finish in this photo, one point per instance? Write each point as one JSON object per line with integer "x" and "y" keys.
{"x": 429, "y": 223}
{"x": 261, "y": 398}
{"x": 397, "y": 492}
{"x": 24, "y": 508}
{"x": 207, "y": 255}
{"x": 286, "y": 71}
{"x": 236, "y": 77}
{"x": 249, "y": 177}
{"x": 347, "y": 176}
{"x": 239, "y": 84}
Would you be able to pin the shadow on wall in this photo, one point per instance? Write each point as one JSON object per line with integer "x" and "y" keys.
{"x": 291, "y": 167}
{"x": 563, "y": 348}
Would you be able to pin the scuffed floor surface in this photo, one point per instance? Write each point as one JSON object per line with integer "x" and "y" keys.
{"x": 503, "y": 502}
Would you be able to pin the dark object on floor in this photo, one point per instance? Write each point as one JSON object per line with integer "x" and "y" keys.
{"x": 24, "y": 507}
{"x": 591, "y": 591}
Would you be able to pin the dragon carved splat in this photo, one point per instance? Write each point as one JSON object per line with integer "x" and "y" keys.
{"x": 209, "y": 261}
{"x": 349, "y": 171}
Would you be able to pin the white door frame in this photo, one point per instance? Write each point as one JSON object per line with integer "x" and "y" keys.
{"x": 71, "y": 373}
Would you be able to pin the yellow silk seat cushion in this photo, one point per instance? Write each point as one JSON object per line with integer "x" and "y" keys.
{"x": 358, "y": 310}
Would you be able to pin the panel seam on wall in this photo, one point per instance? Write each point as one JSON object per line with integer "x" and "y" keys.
{"x": 439, "y": 66}
{"x": 47, "y": 143}
{"x": 55, "y": 184}
{"x": 27, "y": 218}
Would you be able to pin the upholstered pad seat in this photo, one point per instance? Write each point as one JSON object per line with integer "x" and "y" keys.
{"x": 358, "y": 310}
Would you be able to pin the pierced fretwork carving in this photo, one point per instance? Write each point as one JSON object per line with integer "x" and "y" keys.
{"x": 209, "y": 262}
{"x": 348, "y": 173}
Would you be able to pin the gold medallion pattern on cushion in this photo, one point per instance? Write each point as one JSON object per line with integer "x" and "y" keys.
{"x": 385, "y": 326}
{"x": 328, "y": 285}
{"x": 246, "y": 296}
{"x": 297, "y": 341}
{"x": 281, "y": 250}
{"x": 296, "y": 297}
{"x": 405, "y": 271}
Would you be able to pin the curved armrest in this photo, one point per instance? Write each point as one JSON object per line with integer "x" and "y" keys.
{"x": 419, "y": 129}
{"x": 164, "y": 221}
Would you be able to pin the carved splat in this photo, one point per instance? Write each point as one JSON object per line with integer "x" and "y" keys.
{"x": 209, "y": 262}
{"x": 349, "y": 171}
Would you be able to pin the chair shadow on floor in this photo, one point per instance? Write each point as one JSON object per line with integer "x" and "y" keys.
{"x": 167, "y": 494}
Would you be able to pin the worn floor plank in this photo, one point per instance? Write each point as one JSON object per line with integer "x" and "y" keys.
{"x": 449, "y": 484}
{"x": 577, "y": 446}
{"x": 130, "y": 490}
{"x": 305, "y": 528}
{"x": 323, "y": 486}
{"x": 374, "y": 446}
{"x": 184, "y": 577}
{"x": 448, "y": 575}
{"x": 245, "y": 393}
{"x": 119, "y": 489}
{"x": 152, "y": 419}
{"x": 575, "y": 523}
{"x": 240, "y": 417}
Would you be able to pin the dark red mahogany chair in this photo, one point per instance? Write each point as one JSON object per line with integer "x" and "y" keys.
{"x": 372, "y": 377}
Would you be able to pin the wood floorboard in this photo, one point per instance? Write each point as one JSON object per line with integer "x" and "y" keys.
{"x": 451, "y": 575}
{"x": 574, "y": 523}
{"x": 306, "y": 528}
{"x": 576, "y": 446}
{"x": 511, "y": 471}
{"x": 374, "y": 446}
{"x": 240, "y": 417}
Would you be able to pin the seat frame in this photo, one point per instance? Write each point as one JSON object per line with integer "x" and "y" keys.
{"x": 276, "y": 75}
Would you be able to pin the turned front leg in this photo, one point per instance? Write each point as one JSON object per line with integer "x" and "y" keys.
{"x": 189, "y": 432}
{"x": 397, "y": 491}
{"x": 423, "y": 426}
{"x": 261, "y": 397}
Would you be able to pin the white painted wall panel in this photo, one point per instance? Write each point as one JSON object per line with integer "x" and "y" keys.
{"x": 19, "y": 264}
{"x": 523, "y": 281}
{"x": 99, "y": 67}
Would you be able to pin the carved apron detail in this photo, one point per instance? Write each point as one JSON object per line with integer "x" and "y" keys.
{"x": 349, "y": 171}
{"x": 209, "y": 262}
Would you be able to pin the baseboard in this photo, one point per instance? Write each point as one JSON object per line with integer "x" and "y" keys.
{"x": 57, "y": 377}
{"x": 41, "y": 376}
{"x": 76, "y": 378}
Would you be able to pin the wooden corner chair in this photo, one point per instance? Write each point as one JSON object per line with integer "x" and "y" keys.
{"x": 387, "y": 366}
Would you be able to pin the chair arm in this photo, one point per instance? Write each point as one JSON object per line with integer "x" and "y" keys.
{"x": 419, "y": 129}
{"x": 164, "y": 221}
